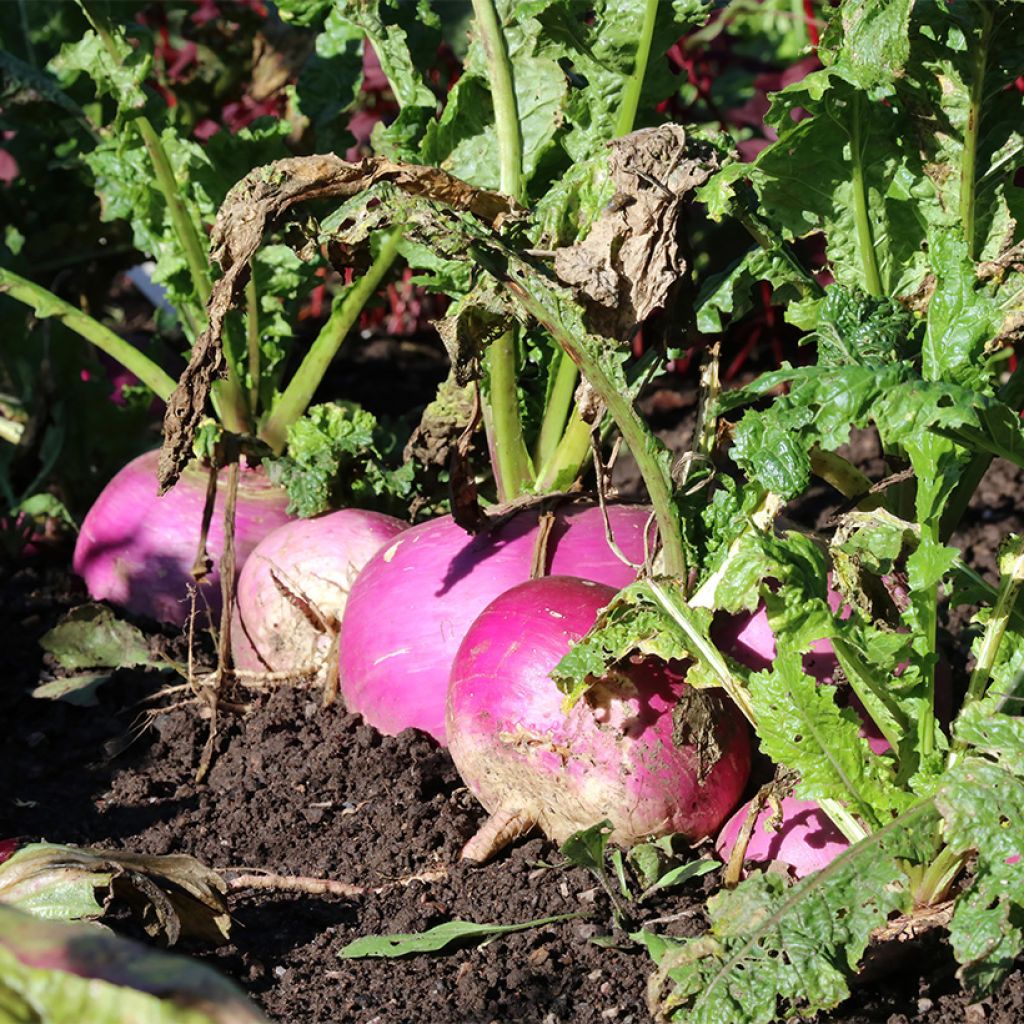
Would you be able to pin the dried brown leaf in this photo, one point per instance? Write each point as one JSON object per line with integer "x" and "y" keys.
{"x": 632, "y": 260}
{"x": 255, "y": 203}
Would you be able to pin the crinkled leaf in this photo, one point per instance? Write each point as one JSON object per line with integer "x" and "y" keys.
{"x": 120, "y": 74}
{"x": 982, "y": 804}
{"x": 775, "y": 949}
{"x": 335, "y": 458}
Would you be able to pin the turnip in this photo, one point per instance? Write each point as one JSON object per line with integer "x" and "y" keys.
{"x": 412, "y": 604}
{"x": 640, "y": 749}
{"x": 805, "y": 841}
{"x": 136, "y": 548}
{"x": 293, "y": 587}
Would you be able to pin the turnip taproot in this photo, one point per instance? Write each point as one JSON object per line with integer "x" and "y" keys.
{"x": 805, "y": 841}
{"x": 640, "y": 748}
{"x": 293, "y": 587}
{"x": 136, "y": 548}
{"x": 413, "y": 602}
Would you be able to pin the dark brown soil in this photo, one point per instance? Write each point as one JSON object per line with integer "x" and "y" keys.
{"x": 299, "y": 790}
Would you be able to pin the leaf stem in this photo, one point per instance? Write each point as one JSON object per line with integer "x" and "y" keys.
{"x": 252, "y": 337}
{"x": 1009, "y": 588}
{"x": 556, "y": 411}
{"x": 503, "y": 96}
{"x": 635, "y": 433}
{"x": 511, "y": 463}
{"x": 862, "y": 215}
{"x": 46, "y": 304}
{"x": 969, "y": 155}
{"x": 635, "y": 83}
{"x": 295, "y": 398}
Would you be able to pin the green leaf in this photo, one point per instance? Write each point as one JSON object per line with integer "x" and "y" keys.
{"x": 776, "y": 950}
{"x": 586, "y": 848}
{"x": 79, "y": 690}
{"x": 437, "y": 939}
{"x": 982, "y": 804}
{"x": 801, "y": 726}
{"x": 91, "y": 636}
{"x": 681, "y": 874}
{"x": 119, "y": 74}
{"x": 59, "y": 972}
{"x": 335, "y": 458}
{"x": 174, "y": 896}
{"x": 869, "y": 41}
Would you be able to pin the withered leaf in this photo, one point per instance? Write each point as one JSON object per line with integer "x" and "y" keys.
{"x": 632, "y": 259}
{"x": 256, "y": 202}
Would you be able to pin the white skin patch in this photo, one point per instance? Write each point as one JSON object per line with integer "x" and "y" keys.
{"x": 392, "y": 551}
{"x": 554, "y": 614}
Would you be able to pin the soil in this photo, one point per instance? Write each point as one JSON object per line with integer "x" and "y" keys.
{"x": 297, "y": 789}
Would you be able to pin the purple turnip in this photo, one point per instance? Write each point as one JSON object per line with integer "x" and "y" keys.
{"x": 640, "y": 749}
{"x": 805, "y": 841}
{"x": 136, "y": 549}
{"x": 293, "y": 587}
{"x": 413, "y": 602}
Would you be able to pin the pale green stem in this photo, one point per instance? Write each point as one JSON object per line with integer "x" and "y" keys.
{"x": 503, "y": 96}
{"x": 232, "y": 405}
{"x": 294, "y": 400}
{"x": 46, "y": 304}
{"x": 252, "y": 337}
{"x": 502, "y": 422}
{"x": 861, "y": 212}
{"x": 562, "y": 468}
{"x": 969, "y": 156}
{"x": 1009, "y": 588}
{"x": 929, "y": 630}
{"x": 556, "y": 411}
{"x": 939, "y": 876}
{"x": 635, "y": 83}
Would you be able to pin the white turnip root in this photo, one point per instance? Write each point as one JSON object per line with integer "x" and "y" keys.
{"x": 640, "y": 749}
{"x": 136, "y": 548}
{"x": 412, "y": 604}
{"x": 294, "y": 586}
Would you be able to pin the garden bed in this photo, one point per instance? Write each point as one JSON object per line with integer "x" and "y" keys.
{"x": 296, "y": 789}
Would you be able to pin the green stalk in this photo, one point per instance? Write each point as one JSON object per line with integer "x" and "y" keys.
{"x": 46, "y": 304}
{"x": 562, "y": 468}
{"x": 938, "y": 877}
{"x": 502, "y": 422}
{"x": 556, "y": 411}
{"x": 1009, "y": 588}
{"x": 862, "y": 216}
{"x": 635, "y": 83}
{"x": 929, "y": 628}
{"x": 560, "y": 465}
{"x": 635, "y": 432}
{"x": 232, "y": 405}
{"x": 969, "y": 156}
{"x": 503, "y": 96}
{"x": 252, "y": 338}
{"x": 295, "y": 398}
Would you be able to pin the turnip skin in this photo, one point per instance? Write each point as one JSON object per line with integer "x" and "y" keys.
{"x": 317, "y": 561}
{"x": 806, "y": 840}
{"x": 136, "y": 549}
{"x": 613, "y": 755}
{"x": 413, "y": 602}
